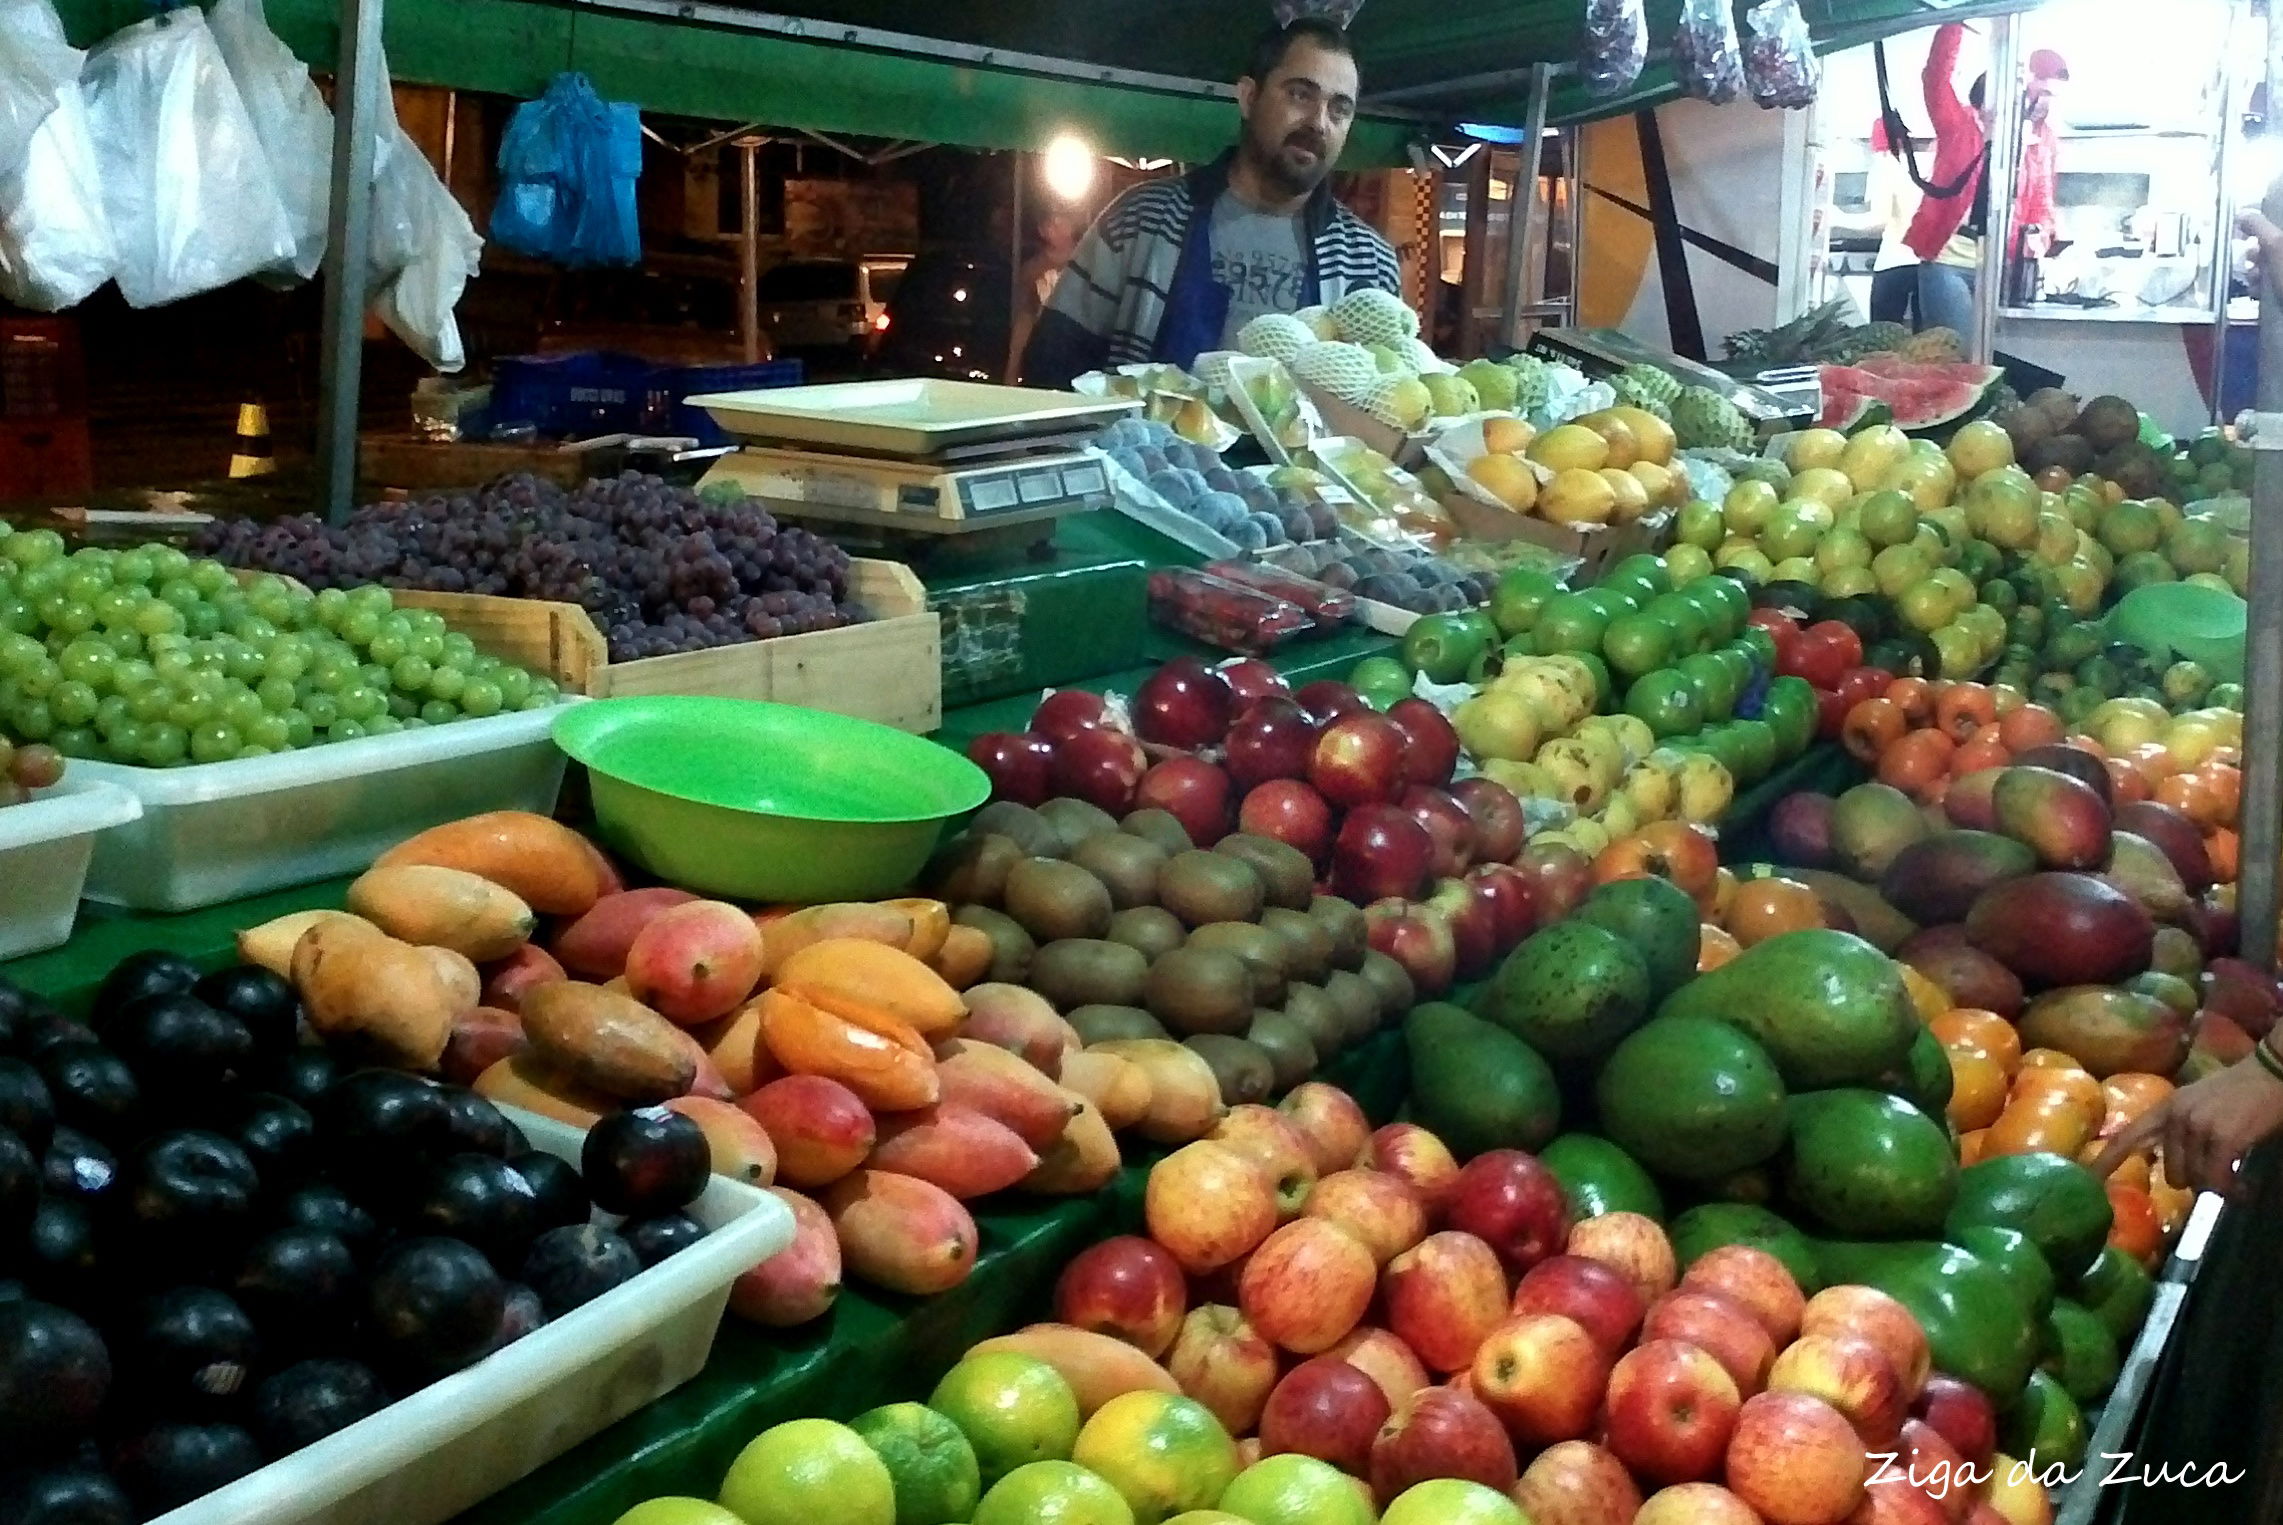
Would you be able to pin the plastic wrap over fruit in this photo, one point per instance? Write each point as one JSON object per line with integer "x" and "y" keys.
{"x": 1707, "y": 480}
{"x": 1571, "y": 394}
{"x": 1779, "y": 56}
{"x": 1222, "y": 613}
{"x": 1326, "y": 605}
{"x": 1616, "y": 46}
{"x": 1708, "y": 62}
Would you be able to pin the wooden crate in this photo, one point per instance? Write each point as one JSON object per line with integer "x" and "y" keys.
{"x": 889, "y": 670}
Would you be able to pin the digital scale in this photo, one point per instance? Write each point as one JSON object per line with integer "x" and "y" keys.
{"x": 885, "y": 460}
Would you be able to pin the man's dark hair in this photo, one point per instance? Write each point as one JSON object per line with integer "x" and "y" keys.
{"x": 1980, "y": 91}
{"x": 1274, "y": 44}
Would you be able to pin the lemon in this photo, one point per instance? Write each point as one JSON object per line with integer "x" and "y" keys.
{"x": 1013, "y": 1409}
{"x": 1163, "y": 1452}
{"x": 808, "y": 1470}
{"x": 1048, "y": 1493}
{"x": 678, "y": 1511}
{"x": 1296, "y": 1490}
{"x": 1452, "y": 1501}
{"x": 934, "y": 1468}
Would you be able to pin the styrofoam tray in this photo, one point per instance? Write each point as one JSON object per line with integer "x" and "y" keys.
{"x": 45, "y": 845}
{"x": 214, "y": 832}
{"x": 425, "y": 1458}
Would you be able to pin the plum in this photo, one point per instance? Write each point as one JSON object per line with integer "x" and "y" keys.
{"x": 481, "y": 1200}
{"x": 653, "y": 1239}
{"x": 171, "y": 1464}
{"x": 309, "y": 1400}
{"x": 258, "y": 998}
{"x": 432, "y": 1306}
{"x": 562, "y": 1196}
{"x": 650, "y": 1160}
{"x": 570, "y": 1266}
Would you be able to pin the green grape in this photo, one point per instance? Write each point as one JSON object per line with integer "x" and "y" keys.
{"x": 383, "y": 725}
{"x": 19, "y": 653}
{"x": 203, "y": 620}
{"x": 277, "y": 695}
{"x": 415, "y": 723}
{"x": 546, "y": 690}
{"x": 426, "y": 644}
{"x": 37, "y": 583}
{"x": 75, "y": 619}
{"x": 110, "y": 712}
{"x": 363, "y": 702}
{"x": 359, "y": 627}
{"x": 37, "y": 682}
{"x": 86, "y": 584}
{"x": 458, "y": 649}
{"x": 514, "y": 686}
{"x": 136, "y": 567}
{"x": 76, "y": 741}
{"x": 250, "y": 750}
{"x": 345, "y": 730}
{"x": 244, "y": 664}
{"x": 321, "y": 710}
{"x": 165, "y": 745}
{"x": 242, "y": 707}
{"x": 130, "y": 673}
{"x": 285, "y": 663}
{"x": 190, "y": 710}
{"x": 124, "y": 741}
{"x": 50, "y": 607}
{"x": 403, "y": 706}
{"x": 178, "y": 593}
{"x": 480, "y": 697}
{"x": 157, "y": 617}
{"x": 168, "y": 561}
{"x": 115, "y": 607}
{"x": 298, "y": 730}
{"x": 373, "y": 599}
{"x": 150, "y": 703}
{"x": 32, "y": 720}
{"x": 17, "y": 615}
{"x": 73, "y": 702}
{"x": 485, "y": 667}
{"x": 410, "y": 674}
{"x": 233, "y": 610}
{"x": 214, "y": 742}
{"x": 253, "y": 630}
{"x": 330, "y": 605}
{"x": 332, "y": 677}
{"x": 437, "y": 712}
{"x": 445, "y": 683}
{"x": 209, "y": 659}
{"x": 126, "y": 643}
{"x": 88, "y": 661}
{"x": 210, "y": 577}
{"x": 373, "y": 675}
{"x": 212, "y": 684}
{"x": 32, "y": 548}
{"x": 269, "y": 731}
{"x": 173, "y": 662}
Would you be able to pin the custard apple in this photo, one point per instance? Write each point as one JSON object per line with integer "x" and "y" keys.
{"x": 1531, "y": 383}
{"x": 1373, "y": 316}
{"x": 1275, "y": 335}
{"x": 1703, "y": 417}
{"x": 1630, "y": 395}
{"x": 1347, "y": 371}
{"x": 1647, "y": 381}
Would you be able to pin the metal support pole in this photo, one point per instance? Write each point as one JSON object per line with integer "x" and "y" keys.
{"x": 1475, "y": 273}
{"x": 360, "y": 77}
{"x": 2223, "y": 227}
{"x": 1522, "y": 206}
{"x": 1011, "y": 367}
{"x": 749, "y": 249}
{"x": 2263, "y": 645}
{"x": 2002, "y": 175}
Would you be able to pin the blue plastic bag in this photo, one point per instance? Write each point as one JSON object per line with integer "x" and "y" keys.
{"x": 568, "y": 164}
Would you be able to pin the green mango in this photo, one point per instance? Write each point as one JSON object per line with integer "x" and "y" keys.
{"x": 1598, "y": 1177}
{"x": 2117, "y": 1290}
{"x": 1977, "y": 1327}
{"x": 1864, "y": 1162}
{"x": 1924, "y": 1079}
{"x": 1476, "y": 1086}
{"x": 1702, "y": 1229}
{"x": 2057, "y": 1202}
{"x": 2080, "y": 1351}
{"x": 1693, "y": 1098}
{"x": 2045, "y": 1426}
{"x": 2011, "y": 1251}
{"x": 1570, "y": 991}
{"x": 1828, "y": 1007}
{"x": 1657, "y": 919}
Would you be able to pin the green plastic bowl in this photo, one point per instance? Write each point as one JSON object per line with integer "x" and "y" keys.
{"x": 766, "y": 802}
{"x": 2181, "y": 621}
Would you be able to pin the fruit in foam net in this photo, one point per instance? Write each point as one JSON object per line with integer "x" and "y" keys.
{"x": 1374, "y": 316}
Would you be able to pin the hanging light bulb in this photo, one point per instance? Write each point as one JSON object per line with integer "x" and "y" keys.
{"x": 1069, "y": 167}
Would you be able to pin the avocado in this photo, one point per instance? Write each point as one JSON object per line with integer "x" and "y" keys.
{"x": 2046, "y": 1423}
{"x": 1692, "y": 1097}
{"x": 2080, "y": 1351}
{"x": 1829, "y": 1008}
{"x": 1924, "y": 1078}
{"x": 1865, "y": 1163}
{"x": 1977, "y": 1328}
{"x": 1598, "y": 1177}
{"x": 2057, "y": 1202}
{"x": 1570, "y": 990}
{"x": 1657, "y": 919}
{"x": 2010, "y": 1250}
{"x": 1706, "y": 1227}
{"x": 1476, "y": 1086}
{"x": 2117, "y": 1289}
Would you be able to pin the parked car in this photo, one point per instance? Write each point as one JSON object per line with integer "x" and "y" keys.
{"x": 950, "y": 317}
{"x": 817, "y": 305}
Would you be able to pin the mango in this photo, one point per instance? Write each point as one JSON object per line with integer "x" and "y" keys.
{"x": 1098, "y": 1367}
{"x": 1085, "y": 1159}
{"x": 271, "y": 944}
{"x": 740, "y": 1146}
{"x": 931, "y": 924}
{"x": 2109, "y": 1031}
{"x": 965, "y": 956}
{"x": 1022, "y": 1022}
{"x": 695, "y": 962}
{"x": 610, "y": 1042}
{"x": 1118, "y": 1088}
{"x": 1185, "y": 1098}
{"x": 2062, "y": 929}
{"x": 735, "y": 1046}
{"x": 862, "y": 920}
{"x": 525, "y": 1080}
{"x": 800, "y": 1281}
{"x": 506, "y": 981}
{"x": 608, "y": 880}
{"x": 901, "y": 1233}
{"x": 481, "y": 1037}
{"x": 594, "y": 947}
{"x": 544, "y": 863}
{"x": 2064, "y": 820}
{"x": 443, "y": 908}
{"x": 954, "y": 1147}
{"x": 852, "y": 977}
{"x": 461, "y": 981}
{"x": 883, "y": 1062}
{"x": 376, "y": 998}
{"x": 1937, "y": 880}
{"x": 820, "y": 1128}
{"x": 1000, "y": 1085}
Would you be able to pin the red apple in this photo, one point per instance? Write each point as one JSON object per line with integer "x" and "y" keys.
{"x": 1474, "y": 926}
{"x": 1127, "y": 1287}
{"x": 1543, "y": 1376}
{"x": 1931, "y": 1465}
{"x": 1499, "y": 825}
{"x": 1447, "y": 825}
{"x": 1440, "y": 1432}
{"x": 1562, "y": 874}
{"x": 1443, "y": 1295}
{"x": 1327, "y": 699}
{"x": 1721, "y": 1327}
{"x": 1292, "y": 812}
{"x": 1223, "y": 1362}
{"x": 1513, "y": 1204}
{"x": 1100, "y": 766}
{"x": 1796, "y": 1460}
{"x": 1184, "y": 704}
{"x": 1064, "y": 712}
{"x": 1381, "y": 1211}
{"x": 1358, "y": 760}
{"x": 1250, "y": 678}
{"x": 1418, "y": 937}
{"x": 1276, "y": 1148}
{"x": 1194, "y": 792}
{"x": 1418, "y": 1158}
{"x": 1633, "y": 1246}
{"x": 1604, "y": 1303}
{"x": 1384, "y": 1358}
{"x": 1874, "y": 1316}
{"x": 1897, "y": 1503}
{"x": 1513, "y": 900}
{"x": 1755, "y": 1278}
{"x": 1577, "y": 1483}
{"x": 1960, "y": 1413}
{"x": 1274, "y": 738}
{"x": 1308, "y": 1285}
{"x": 1327, "y": 1409}
{"x": 1020, "y": 764}
{"x": 1671, "y": 1410}
{"x": 1380, "y": 853}
{"x": 1695, "y": 1504}
{"x": 1208, "y": 1205}
{"x": 1430, "y": 745}
{"x": 1329, "y": 1121}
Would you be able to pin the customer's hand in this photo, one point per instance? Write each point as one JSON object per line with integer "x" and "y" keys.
{"x": 2267, "y": 249}
{"x": 2206, "y": 1128}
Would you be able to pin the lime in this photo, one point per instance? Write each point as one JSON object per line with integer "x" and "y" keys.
{"x": 1520, "y": 594}
{"x": 934, "y": 1468}
{"x": 1164, "y": 1453}
{"x": 1012, "y": 1408}
{"x": 1049, "y": 1493}
{"x": 807, "y": 1470}
{"x": 1452, "y": 1501}
{"x": 1207, "y": 1517}
{"x": 678, "y": 1511}
{"x": 1381, "y": 680}
{"x": 1296, "y": 1490}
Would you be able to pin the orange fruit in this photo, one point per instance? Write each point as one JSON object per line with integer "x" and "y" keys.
{"x": 1715, "y": 946}
{"x": 1981, "y": 1032}
{"x": 1762, "y": 908}
{"x": 2135, "y": 1227}
{"x": 2127, "y": 1096}
{"x": 1977, "y": 1090}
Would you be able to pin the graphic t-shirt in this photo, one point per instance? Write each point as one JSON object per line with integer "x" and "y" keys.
{"x": 1259, "y": 258}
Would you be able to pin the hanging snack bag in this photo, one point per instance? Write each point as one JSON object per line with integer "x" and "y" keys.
{"x": 1708, "y": 62}
{"x": 1779, "y": 56}
{"x": 1616, "y": 46}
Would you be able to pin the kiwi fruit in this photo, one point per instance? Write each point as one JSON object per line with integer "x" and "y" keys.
{"x": 1012, "y": 948}
{"x": 1392, "y": 981}
{"x": 1200, "y": 990}
{"x": 1291, "y": 1052}
{"x": 1102, "y": 1024}
{"x": 1160, "y": 826}
{"x": 1151, "y": 928}
{"x": 1201, "y": 887}
{"x": 1307, "y": 946}
{"x": 1243, "y": 1070}
{"x": 1054, "y": 900}
{"x": 1357, "y": 1001}
{"x": 1350, "y": 933}
{"x": 1287, "y": 878}
{"x": 1128, "y": 866}
{"x": 1031, "y": 832}
{"x": 1315, "y": 1014}
{"x": 1074, "y": 821}
{"x": 973, "y": 869}
{"x": 1085, "y": 971}
{"x": 1261, "y": 949}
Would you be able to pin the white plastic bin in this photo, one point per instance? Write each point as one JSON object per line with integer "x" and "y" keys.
{"x": 457, "y": 1442}
{"x": 214, "y": 832}
{"x": 44, "y": 847}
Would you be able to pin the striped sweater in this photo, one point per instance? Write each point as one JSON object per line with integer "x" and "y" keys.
{"x": 1144, "y": 251}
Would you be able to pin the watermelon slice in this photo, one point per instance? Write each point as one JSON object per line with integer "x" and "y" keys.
{"x": 1920, "y": 396}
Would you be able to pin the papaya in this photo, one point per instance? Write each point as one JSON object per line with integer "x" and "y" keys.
{"x": 2057, "y": 1202}
{"x": 1476, "y": 1086}
{"x": 901, "y": 1233}
{"x": 1977, "y": 1327}
{"x": 443, "y": 908}
{"x": 539, "y": 860}
{"x": 1598, "y": 1177}
{"x": 1693, "y": 1098}
{"x": 1706, "y": 1227}
{"x": 1865, "y": 1163}
{"x": 1573, "y": 989}
{"x": 1829, "y": 1008}
{"x": 852, "y": 976}
{"x": 882, "y": 1061}
{"x": 611, "y": 1042}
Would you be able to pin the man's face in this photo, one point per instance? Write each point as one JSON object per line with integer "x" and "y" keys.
{"x": 1296, "y": 120}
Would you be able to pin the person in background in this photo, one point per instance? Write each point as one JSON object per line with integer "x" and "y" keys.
{"x": 2033, "y": 202}
{"x": 1177, "y": 266}
{"x": 1946, "y": 233}
{"x": 1894, "y": 271}
{"x": 1053, "y": 241}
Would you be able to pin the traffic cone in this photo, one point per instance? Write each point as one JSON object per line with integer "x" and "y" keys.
{"x": 251, "y": 457}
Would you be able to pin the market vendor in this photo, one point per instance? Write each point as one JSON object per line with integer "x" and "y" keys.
{"x": 1177, "y": 266}
{"x": 1946, "y": 234}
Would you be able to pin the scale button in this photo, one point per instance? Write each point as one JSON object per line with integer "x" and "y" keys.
{"x": 1085, "y": 481}
{"x": 990, "y": 494}
{"x": 1040, "y": 486}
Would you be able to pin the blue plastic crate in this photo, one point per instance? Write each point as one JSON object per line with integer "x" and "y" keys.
{"x": 671, "y": 384}
{"x": 571, "y": 396}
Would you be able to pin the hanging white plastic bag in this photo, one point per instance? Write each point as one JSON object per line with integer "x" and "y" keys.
{"x": 28, "y": 90}
{"x": 290, "y": 119}
{"x": 1708, "y": 62}
{"x": 189, "y": 192}
{"x": 424, "y": 248}
{"x": 55, "y": 243}
{"x": 1616, "y": 46}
